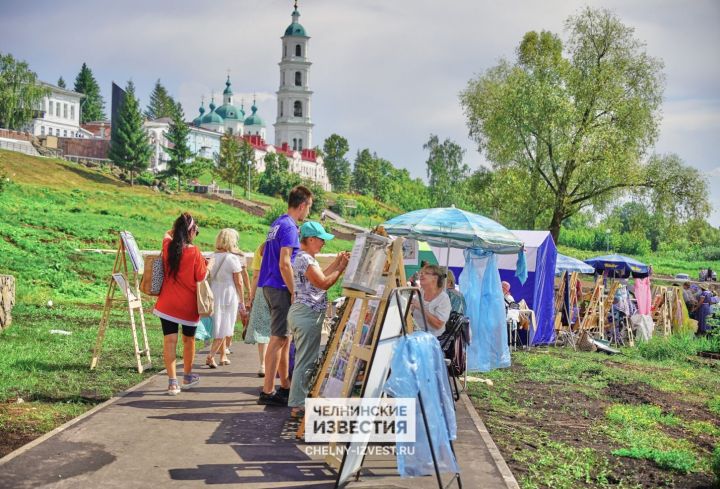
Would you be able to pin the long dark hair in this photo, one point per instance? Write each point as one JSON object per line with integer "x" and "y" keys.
{"x": 181, "y": 237}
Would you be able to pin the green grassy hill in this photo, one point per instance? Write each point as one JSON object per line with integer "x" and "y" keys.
{"x": 53, "y": 208}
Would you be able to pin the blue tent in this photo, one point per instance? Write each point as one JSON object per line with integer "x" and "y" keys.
{"x": 539, "y": 289}
{"x": 569, "y": 264}
{"x": 619, "y": 266}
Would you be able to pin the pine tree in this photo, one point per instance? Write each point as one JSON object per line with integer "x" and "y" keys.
{"x": 61, "y": 82}
{"x": 93, "y": 105}
{"x": 161, "y": 103}
{"x": 178, "y": 149}
{"x": 129, "y": 146}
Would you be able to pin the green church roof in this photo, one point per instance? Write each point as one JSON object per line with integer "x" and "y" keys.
{"x": 295, "y": 29}
{"x": 212, "y": 117}
{"x": 198, "y": 120}
{"x": 254, "y": 119}
{"x": 228, "y": 90}
{"x": 228, "y": 111}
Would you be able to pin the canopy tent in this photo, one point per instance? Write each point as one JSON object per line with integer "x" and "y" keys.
{"x": 538, "y": 290}
{"x": 481, "y": 238}
{"x": 619, "y": 266}
{"x": 569, "y": 264}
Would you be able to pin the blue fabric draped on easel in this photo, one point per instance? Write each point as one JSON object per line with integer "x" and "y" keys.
{"x": 480, "y": 284}
{"x": 418, "y": 366}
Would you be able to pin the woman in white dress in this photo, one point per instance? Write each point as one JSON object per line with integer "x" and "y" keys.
{"x": 226, "y": 282}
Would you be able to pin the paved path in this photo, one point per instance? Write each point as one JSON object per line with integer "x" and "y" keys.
{"x": 215, "y": 435}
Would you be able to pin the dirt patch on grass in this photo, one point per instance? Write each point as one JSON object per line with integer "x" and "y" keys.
{"x": 560, "y": 413}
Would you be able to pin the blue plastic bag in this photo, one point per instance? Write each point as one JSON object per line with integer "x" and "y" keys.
{"x": 205, "y": 330}
{"x": 418, "y": 366}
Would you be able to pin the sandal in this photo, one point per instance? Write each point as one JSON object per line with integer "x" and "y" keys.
{"x": 190, "y": 381}
{"x": 173, "y": 388}
{"x": 210, "y": 362}
{"x": 224, "y": 362}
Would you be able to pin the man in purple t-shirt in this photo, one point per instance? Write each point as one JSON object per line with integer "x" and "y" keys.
{"x": 276, "y": 280}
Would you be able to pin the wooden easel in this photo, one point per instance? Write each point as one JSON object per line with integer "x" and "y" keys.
{"x": 131, "y": 296}
{"x": 393, "y": 277}
{"x": 663, "y": 314}
{"x": 594, "y": 319}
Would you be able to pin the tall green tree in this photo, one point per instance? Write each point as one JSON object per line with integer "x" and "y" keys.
{"x": 129, "y": 145}
{"x": 161, "y": 103}
{"x": 277, "y": 180}
{"x": 20, "y": 93}
{"x": 366, "y": 172}
{"x": 93, "y": 105}
{"x": 578, "y": 124}
{"x": 61, "y": 82}
{"x": 236, "y": 163}
{"x": 445, "y": 171}
{"x": 178, "y": 149}
{"x": 228, "y": 160}
{"x": 337, "y": 166}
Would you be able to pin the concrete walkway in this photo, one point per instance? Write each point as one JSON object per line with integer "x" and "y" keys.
{"x": 215, "y": 435}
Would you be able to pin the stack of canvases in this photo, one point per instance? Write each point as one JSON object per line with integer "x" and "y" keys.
{"x": 7, "y": 299}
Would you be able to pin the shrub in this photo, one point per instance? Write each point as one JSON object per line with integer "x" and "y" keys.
{"x": 716, "y": 465}
{"x": 676, "y": 347}
{"x": 4, "y": 180}
{"x": 275, "y": 211}
{"x": 146, "y": 178}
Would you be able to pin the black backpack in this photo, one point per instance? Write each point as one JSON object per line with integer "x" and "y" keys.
{"x": 454, "y": 342}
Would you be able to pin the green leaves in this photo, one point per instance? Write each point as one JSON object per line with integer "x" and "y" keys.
{"x": 20, "y": 93}
{"x": 337, "y": 166}
{"x": 577, "y": 126}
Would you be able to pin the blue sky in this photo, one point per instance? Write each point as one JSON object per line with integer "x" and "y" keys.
{"x": 386, "y": 74}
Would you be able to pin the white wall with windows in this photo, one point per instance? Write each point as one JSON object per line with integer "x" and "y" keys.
{"x": 58, "y": 114}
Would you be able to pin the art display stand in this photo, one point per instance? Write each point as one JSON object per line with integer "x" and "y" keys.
{"x": 593, "y": 321}
{"x": 353, "y": 342}
{"x": 362, "y": 345}
{"x": 118, "y": 281}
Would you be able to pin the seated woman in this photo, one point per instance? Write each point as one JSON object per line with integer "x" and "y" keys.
{"x": 436, "y": 303}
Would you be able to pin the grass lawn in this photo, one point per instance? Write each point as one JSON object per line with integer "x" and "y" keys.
{"x": 565, "y": 419}
{"x": 50, "y": 210}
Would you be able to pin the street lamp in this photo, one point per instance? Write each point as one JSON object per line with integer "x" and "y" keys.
{"x": 607, "y": 239}
{"x": 247, "y": 189}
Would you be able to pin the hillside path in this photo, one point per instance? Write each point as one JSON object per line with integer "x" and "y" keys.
{"x": 215, "y": 435}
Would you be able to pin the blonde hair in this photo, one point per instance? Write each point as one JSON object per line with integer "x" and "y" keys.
{"x": 227, "y": 240}
{"x": 450, "y": 284}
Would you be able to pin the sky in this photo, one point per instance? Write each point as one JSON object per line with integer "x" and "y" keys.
{"x": 385, "y": 74}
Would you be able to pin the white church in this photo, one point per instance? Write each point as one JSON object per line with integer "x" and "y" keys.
{"x": 293, "y": 125}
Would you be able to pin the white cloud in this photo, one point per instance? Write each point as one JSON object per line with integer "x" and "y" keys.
{"x": 385, "y": 74}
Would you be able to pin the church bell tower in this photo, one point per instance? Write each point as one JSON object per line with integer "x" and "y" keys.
{"x": 293, "y": 125}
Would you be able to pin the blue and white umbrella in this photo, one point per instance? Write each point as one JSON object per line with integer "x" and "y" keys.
{"x": 455, "y": 228}
{"x": 566, "y": 263}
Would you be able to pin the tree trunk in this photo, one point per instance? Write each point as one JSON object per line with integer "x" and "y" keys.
{"x": 555, "y": 223}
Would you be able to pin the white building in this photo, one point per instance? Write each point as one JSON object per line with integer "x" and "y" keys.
{"x": 59, "y": 114}
{"x": 202, "y": 142}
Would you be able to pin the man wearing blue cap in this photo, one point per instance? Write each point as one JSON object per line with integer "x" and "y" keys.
{"x": 307, "y": 312}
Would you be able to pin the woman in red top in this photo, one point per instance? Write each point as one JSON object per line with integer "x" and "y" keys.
{"x": 177, "y": 303}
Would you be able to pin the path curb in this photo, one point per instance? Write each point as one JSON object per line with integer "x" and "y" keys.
{"x": 497, "y": 457}
{"x": 74, "y": 421}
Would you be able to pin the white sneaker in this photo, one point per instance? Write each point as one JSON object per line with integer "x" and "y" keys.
{"x": 261, "y": 372}
{"x": 228, "y": 351}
